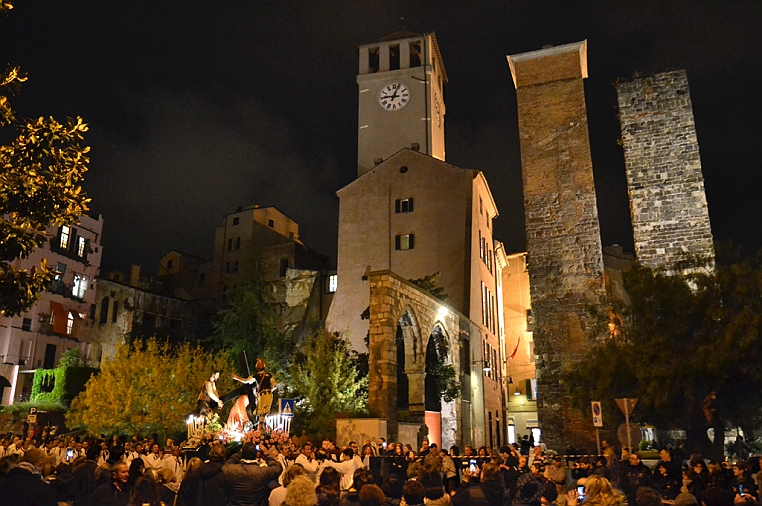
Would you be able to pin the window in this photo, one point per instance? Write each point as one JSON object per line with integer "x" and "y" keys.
{"x": 26, "y": 324}
{"x": 69, "y": 323}
{"x": 104, "y": 311}
{"x": 530, "y": 320}
{"x": 230, "y": 244}
{"x": 404, "y": 242}
{"x": 81, "y": 246}
{"x": 333, "y": 283}
{"x": 415, "y": 53}
{"x": 373, "y": 60}
{"x": 236, "y": 221}
{"x": 394, "y": 57}
{"x": 235, "y": 266}
{"x": 403, "y": 205}
{"x": 227, "y": 267}
{"x": 60, "y": 270}
{"x": 283, "y": 267}
{"x": 170, "y": 263}
{"x": 237, "y": 243}
{"x": 481, "y": 206}
{"x": 65, "y": 236}
{"x": 270, "y": 223}
{"x": 115, "y": 311}
{"x": 80, "y": 286}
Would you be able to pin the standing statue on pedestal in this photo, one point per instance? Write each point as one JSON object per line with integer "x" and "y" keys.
{"x": 260, "y": 394}
{"x": 208, "y": 400}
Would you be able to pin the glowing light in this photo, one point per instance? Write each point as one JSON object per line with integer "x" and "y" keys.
{"x": 442, "y": 313}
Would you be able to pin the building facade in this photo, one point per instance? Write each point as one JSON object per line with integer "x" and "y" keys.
{"x": 63, "y": 317}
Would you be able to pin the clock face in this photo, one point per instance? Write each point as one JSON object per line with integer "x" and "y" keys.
{"x": 394, "y": 96}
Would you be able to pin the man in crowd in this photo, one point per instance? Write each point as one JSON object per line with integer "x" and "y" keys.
{"x": 174, "y": 462}
{"x": 246, "y": 482}
{"x": 116, "y": 492}
{"x": 308, "y": 461}
{"x": 24, "y": 485}
{"x": 154, "y": 460}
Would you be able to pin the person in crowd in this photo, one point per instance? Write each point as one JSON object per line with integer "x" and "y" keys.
{"x": 555, "y": 473}
{"x": 424, "y": 449}
{"x": 63, "y": 485}
{"x": 23, "y": 484}
{"x": 210, "y": 481}
{"x": 718, "y": 476}
{"x": 300, "y": 492}
{"x": 598, "y": 492}
{"x": 329, "y": 486}
{"x": 278, "y": 495}
{"x": 174, "y": 462}
{"x": 84, "y": 477}
{"x": 116, "y": 492}
{"x": 432, "y": 482}
{"x": 449, "y": 472}
{"x": 361, "y": 478}
{"x": 482, "y": 487}
{"x": 145, "y": 493}
{"x": 168, "y": 481}
{"x": 346, "y": 467}
{"x": 414, "y": 465}
{"x": 154, "y": 460}
{"x": 646, "y": 496}
{"x": 536, "y": 456}
{"x": 398, "y": 464}
{"x": 135, "y": 471}
{"x": 308, "y": 461}
{"x": 529, "y": 491}
{"x": 691, "y": 484}
{"x": 635, "y": 474}
{"x": 372, "y": 495}
{"x": 245, "y": 481}
{"x": 742, "y": 480}
{"x": 667, "y": 475}
{"x": 432, "y": 458}
{"x": 686, "y": 499}
{"x": 392, "y": 488}
{"x": 413, "y": 493}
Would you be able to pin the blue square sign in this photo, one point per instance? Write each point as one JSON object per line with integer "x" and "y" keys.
{"x": 287, "y": 407}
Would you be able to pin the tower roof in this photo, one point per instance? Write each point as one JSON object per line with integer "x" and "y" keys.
{"x": 399, "y": 34}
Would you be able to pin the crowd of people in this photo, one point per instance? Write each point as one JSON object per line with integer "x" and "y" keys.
{"x": 118, "y": 472}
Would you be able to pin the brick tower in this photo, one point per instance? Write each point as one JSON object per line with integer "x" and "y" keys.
{"x": 670, "y": 217}
{"x": 563, "y": 234}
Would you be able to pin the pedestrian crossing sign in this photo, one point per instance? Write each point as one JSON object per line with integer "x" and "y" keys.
{"x": 287, "y": 407}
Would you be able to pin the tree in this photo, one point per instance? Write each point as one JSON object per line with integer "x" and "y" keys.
{"x": 251, "y": 321}
{"x": 430, "y": 283}
{"x": 40, "y": 175}
{"x": 691, "y": 350}
{"x": 325, "y": 380}
{"x": 147, "y": 387}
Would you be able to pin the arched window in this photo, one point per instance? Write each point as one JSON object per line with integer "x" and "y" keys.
{"x": 104, "y": 311}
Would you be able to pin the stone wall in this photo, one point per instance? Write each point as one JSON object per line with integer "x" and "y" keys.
{"x": 563, "y": 234}
{"x": 670, "y": 217}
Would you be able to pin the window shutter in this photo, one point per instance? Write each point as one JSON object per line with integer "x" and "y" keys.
{"x": 528, "y": 387}
{"x": 410, "y": 205}
{"x": 397, "y": 206}
{"x": 73, "y": 241}
{"x": 411, "y": 241}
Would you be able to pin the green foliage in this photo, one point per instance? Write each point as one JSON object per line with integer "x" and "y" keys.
{"x": 250, "y": 322}
{"x": 40, "y": 175}
{"x": 441, "y": 374}
{"x": 691, "y": 350}
{"x": 430, "y": 283}
{"x": 62, "y": 384}
{"x": 19, "y": 410}
{"x": 325, "y": 381}
{"x": 148, "y": 387}
{"x": 72, "y": 358}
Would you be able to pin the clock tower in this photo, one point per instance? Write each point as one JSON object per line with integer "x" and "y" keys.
{"x": 400, "y": 100}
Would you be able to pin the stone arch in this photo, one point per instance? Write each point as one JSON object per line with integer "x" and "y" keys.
{"x": 409, "y": 359}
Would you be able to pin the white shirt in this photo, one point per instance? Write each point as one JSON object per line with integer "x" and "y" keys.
{"x": 176, "y": 465}
{"x": 128, "y": 457}
{"x": 310, "y": 466}
{"x": 346, "y": 468}
{"x": 153, "y": 461}
{"x": 103, "y": 457}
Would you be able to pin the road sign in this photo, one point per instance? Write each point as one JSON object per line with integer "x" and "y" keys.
{"x": 634, "y": 437}
{"x": 32, "y": 411}
{"x": 597, "y": 414}
{"x": 626, "y": 405}
{"x": 31, "y": 419}
{"x": 287, "y": 407}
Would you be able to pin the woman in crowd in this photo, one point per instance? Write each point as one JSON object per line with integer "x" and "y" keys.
{"x": 432, "y": 482}
{"x": 598, "y": 492}
{"x": 399, "y": 463}
{"x": 300, "y": 492}
{"x": 145, "y": 492}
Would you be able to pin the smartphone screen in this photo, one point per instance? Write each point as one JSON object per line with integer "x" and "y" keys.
{"x": 472, "y": 466}
{"x": 740, "y": 491}
{"x": 580, "y": 493}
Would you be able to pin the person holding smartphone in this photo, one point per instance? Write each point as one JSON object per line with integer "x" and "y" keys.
{"x": 742, "y": 484}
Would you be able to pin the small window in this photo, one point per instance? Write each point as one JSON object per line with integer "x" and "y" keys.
{"x": 235, "y": 266}
{"x": 403, "y": 205}
{"x": 230, "y": 244}
{"x": 104, "y": 311}
{"x": 404, "y": 242}
{"x": 237, "y": 243}
{"x": 170, "y": 263}
{"x": 26, "y": 324}
{"x": 69, "y": 323}
{"x": 227, "y": 267}
{"x": 415, "y": 54}
{"x": 530, "y": 320}
{"x": 283, "y": 266}
{"x": 65, "y": 236}
{"x": 60, "y": 270}
{"x": 79, "y": 287}
{"x": 236, "y": 221}
{"x": 333, "y": 283}
{"x": 81, "y": 246}
{"x": 394, "y": 57}
{"x": 481, "y": 206}
{"x": 115, "y": 311}
{"x": 270, "y": 223}
{"x": 373, "y": 60}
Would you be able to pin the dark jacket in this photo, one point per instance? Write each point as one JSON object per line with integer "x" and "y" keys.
{"x": 246, "y": 482}
{"x": 481, "y": 494}
{"x": 108, "y": 495}
{"x": 23, "y": 487}
{"x": 634, "y": 477}
{"x": 84, "y": 482}
{"x": 203, "y": 487}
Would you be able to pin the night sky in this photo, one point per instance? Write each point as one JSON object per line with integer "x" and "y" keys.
{"x": 197, "y": 108}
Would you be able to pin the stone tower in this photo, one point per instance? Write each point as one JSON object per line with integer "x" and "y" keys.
{"x": 563, "y": 234}
{"x": 670, "y": 217}
{"x": 400, "y": 80}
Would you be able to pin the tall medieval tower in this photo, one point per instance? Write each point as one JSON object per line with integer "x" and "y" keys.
{"x": 563, "y": 235}
{"x": 670, "y": 216}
